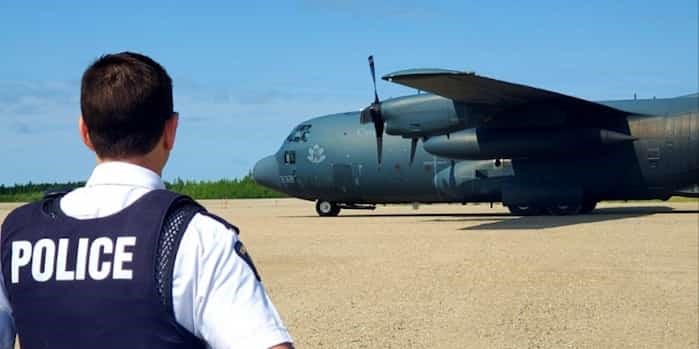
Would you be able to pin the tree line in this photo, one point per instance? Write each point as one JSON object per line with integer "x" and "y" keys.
{"x": 243, "y": 188}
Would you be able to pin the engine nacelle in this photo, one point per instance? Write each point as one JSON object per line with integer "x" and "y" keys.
{"x": 483, "y": 143}
{"x": 475, "y": 180}
{"x": 421, "y": 115}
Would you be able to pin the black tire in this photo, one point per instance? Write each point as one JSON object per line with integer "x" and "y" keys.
{"x": 525, "y": 210}
{"x": 326, "y": 208}
{"x": 588, "y": 206}
{"x": 565, "y": 209}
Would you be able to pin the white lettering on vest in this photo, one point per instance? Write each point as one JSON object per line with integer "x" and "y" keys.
{"x": 44, "y": 251}
{"x": 21, "y": 256}
{"x": 82, "y": 257}
{"x": 62, "y": 274}
{"x": 121, "y": 256}
{"x": 97, "y": 259}
{"x": 93, "y": 267}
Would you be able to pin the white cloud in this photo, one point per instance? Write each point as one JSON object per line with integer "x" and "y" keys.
{"x": 223, "y": 130}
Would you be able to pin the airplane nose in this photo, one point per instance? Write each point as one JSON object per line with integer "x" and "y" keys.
{"x": 266, "y": 172}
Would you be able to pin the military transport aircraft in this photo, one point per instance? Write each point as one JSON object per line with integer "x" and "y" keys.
{"x": 477, "y": 139}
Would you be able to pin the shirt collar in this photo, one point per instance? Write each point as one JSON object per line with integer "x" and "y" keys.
{"x": 126, "y": 174}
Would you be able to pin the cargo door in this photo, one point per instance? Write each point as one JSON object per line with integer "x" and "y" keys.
{"x": 346, "y": 180}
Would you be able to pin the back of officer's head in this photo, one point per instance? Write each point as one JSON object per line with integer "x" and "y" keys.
{"x": 125, "y": 100}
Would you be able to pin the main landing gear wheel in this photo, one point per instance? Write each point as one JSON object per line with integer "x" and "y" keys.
{"x": 565, "y": 209}
{"x": 588, "y": 206}
{"x": 327, "y": 208}
{"x": 524, "y": 210}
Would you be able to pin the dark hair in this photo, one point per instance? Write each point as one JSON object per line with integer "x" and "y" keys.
{"x": 125, "y": 99}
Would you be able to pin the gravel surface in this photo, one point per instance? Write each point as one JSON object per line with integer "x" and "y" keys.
{"x": 452, "y": 276}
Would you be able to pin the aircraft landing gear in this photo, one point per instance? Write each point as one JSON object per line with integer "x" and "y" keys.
{"x": 588, "y": 206}
{"x": 525, "y": 210}
{"x": 562, "y": 209}
{"x": 565, "y": 209}
{"x": 327, "y": 209}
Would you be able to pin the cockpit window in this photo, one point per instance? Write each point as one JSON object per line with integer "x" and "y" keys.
{"x": 290, "y": 157}
{"x": 300, "y": 133}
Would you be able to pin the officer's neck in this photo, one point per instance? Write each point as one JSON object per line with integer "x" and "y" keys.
{"x": 150, "y": 161}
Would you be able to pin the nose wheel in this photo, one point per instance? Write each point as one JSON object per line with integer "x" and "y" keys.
{"x": 327, "y": 209}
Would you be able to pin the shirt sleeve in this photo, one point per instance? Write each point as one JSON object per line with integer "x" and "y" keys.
{"x": 216, "y": 294}
{"x": 7, "y": 323}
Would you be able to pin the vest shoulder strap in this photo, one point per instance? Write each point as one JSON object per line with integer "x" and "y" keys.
{"x": 174, "y": 226}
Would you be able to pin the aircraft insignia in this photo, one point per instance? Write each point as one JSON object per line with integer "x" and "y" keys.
{"x": 316, "y": 154}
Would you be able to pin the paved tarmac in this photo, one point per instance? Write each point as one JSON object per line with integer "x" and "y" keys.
{"x": 452, "y": 276}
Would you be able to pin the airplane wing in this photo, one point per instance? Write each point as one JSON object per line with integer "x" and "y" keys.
{"x": 507, "y": 101}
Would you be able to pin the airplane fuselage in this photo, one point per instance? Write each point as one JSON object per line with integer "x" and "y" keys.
{"x": 334, "y": 158}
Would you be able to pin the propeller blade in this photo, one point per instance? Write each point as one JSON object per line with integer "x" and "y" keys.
{"x": 372, "y": 114}
{"x": 378, "y": 127}
{"x": 379, "y": 147}
{"x": 373, "y": 78}
{"x": 413, "y": 147}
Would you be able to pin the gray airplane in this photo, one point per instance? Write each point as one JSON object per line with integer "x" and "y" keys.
{"x": 477, "y": 139}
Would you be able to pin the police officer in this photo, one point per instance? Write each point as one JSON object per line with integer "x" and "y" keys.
{"x": 122, "y": 262}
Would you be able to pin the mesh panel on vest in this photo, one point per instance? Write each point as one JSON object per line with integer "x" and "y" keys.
{"x": 174, "y": 227}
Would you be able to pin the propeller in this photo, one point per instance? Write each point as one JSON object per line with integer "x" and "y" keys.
{"x": 372, "y": 113}
{"x": 413, "y": 147}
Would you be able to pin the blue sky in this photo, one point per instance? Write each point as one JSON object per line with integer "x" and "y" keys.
{"x": 246, "y": 72}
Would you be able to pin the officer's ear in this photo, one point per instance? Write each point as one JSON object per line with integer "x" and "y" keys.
{"x": 170, "y": 131}
{"x": 84, "y": 133}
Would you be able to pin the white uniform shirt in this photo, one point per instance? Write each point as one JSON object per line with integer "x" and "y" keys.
{"x": 215, "y": 295}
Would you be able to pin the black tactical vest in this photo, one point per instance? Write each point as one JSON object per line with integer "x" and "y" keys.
{"x": 96, "y": 283}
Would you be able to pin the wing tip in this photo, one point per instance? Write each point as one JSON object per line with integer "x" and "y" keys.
{"x": 423, "y": 72}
